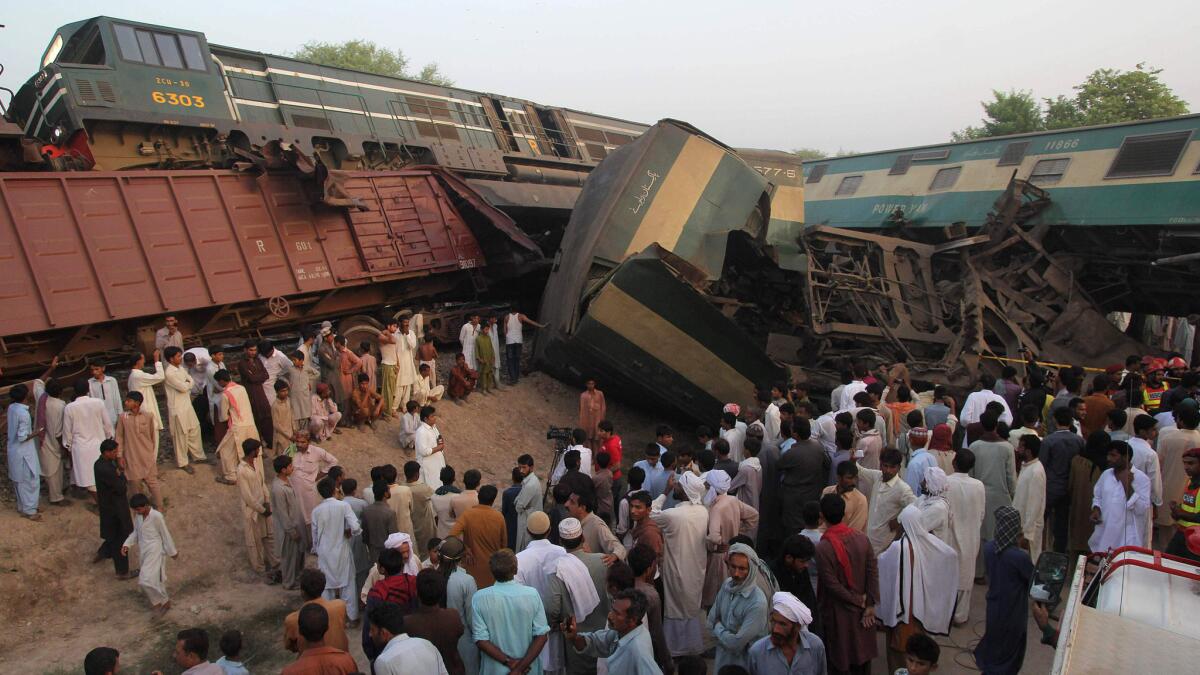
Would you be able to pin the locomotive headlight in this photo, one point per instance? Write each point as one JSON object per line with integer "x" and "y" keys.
{"x": 58, "y": 133}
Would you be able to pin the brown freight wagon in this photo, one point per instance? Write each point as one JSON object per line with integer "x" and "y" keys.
{"x": 90, "y": 260}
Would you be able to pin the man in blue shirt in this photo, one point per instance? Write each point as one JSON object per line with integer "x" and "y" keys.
{"x": 789, "y": 649}
{"x": 24, "y": 469}
{"x": 508, "y": 621}
{"x": 626, "y": 645}
{"x": 656, "y": 476}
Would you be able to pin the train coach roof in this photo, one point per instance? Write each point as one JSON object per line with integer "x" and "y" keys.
{"x": 993, "y": 139}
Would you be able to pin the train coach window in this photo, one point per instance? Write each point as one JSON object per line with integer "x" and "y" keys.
{"x": 848, "y": 186}
{"x": 817, "y": 173}
{"x": 945, "y": 178}
{"x": 1013, "y": 153}
{"x": 1048, "y": 171}
{"x": 159, "y": 49}
{"x": 1149, "y": 155}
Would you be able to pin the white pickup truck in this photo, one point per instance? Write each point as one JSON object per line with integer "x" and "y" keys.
{"x": 1144, "y": 617}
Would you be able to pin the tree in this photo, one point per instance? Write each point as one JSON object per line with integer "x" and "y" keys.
{"x": 1012, "y": 112}
{"x": 809, "y": 154}
{"x": 1061, "y": 113}
{"x": 1107, "y": 96}
{"x": 368, "y": 57}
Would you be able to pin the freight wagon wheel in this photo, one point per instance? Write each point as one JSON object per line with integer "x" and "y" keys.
{"x": 359, "y": 328}
{"x": 279, "y": 306}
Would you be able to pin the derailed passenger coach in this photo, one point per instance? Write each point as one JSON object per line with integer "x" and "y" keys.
{"x": 628, "y": 300}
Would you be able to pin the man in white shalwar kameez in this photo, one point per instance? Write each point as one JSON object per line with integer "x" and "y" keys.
{"x": 466, "y": 337}
{"x": 934, "y": 508}
{"x": 276, "y": 363}
{"x": 154, "y": 542}
{"x": 49, "y": 420}
{"x": 1120, "y": 502}
{"x": 430, "y": 448}
{"x": 143, "y": 383}
{"x": 235, "y": 407}
{"x": 106, "y": 389}
{"x": 181, "y": 416}
{"x": 406, "y": 365}
{"x": 333, "y": 525}
{"x": 424, "y": 391}
{"x": 85, "y": 426}
{"x": 1146, "y": 460}
{"x": 966, "y": 497}
{"x": 685, "y": 554}
{"x": 1029, "y": 499}
{"x": 535, "y": 565}
{"x": 494, "y": 335}
{"x": 978, "y": 401}
{"x": 917, "y": 577}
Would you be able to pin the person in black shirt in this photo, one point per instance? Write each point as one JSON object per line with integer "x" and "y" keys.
{"x": 796, "y": 574}
{"x": 113, "y": 504}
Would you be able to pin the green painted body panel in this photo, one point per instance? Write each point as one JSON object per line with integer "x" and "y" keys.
{"x": 1058, "y": 143}
{"x": 1176, "y": 203}
{"x": 1153, "y": 200}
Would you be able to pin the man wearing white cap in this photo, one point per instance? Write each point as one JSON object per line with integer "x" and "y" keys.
{"x": 578, "y": 593}
{"x": 789, "y": 648}
{"x": 536, "y": 565}
{"x": 683, "y": 529}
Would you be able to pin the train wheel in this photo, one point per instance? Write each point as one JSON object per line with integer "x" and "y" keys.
{"x": 359, "y": 328}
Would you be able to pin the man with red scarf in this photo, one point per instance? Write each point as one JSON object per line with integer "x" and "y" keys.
{"x": 847, "y": 591}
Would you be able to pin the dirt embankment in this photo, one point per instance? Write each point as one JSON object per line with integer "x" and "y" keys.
{"x": 57, "y": 605}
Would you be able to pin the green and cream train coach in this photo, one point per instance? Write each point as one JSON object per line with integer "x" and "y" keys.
{"x": 1130, "y": 174}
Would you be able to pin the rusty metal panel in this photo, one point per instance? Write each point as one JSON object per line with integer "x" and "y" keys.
{"x": 256, "y": 234}
{"x": 96, "y": 247}
{"x": 408, "y": 225}
{"x": 295, "y": 225}
{"x": 46, "y": 227}
{"x": 188, "y": 240}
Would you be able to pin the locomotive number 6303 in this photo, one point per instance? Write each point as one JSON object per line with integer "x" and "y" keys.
{"x": 171, "y": 98}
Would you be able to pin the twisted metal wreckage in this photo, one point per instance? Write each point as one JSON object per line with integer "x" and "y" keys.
{"x": 740, "y": 299}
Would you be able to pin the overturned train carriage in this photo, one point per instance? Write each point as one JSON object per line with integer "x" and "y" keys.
{"x": 94, "y": 259}
{"x": 628, "y": 298}
{"x": 679, "y": 284}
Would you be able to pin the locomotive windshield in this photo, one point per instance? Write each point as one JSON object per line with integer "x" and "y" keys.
{"x": 52, "y": 52}
{"x": 157, "y": 48}
{"x": 85, "y": 46}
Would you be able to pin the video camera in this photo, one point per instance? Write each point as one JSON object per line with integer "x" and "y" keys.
{"x": 559, "y": 434}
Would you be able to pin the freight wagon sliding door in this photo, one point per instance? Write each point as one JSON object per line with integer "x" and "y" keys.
{"x": 409, "y": 226}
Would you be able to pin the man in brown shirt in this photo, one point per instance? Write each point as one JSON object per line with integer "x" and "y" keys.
{"x": 440, "y": 625}
{"x": 312, "y": 585}
{"x": 483, "y": 530}
{"x": 137, "y": 441}
{"x": 318, "y": 658}
{"x": 644, "y": 563}
{"x": 644, "y": 530}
